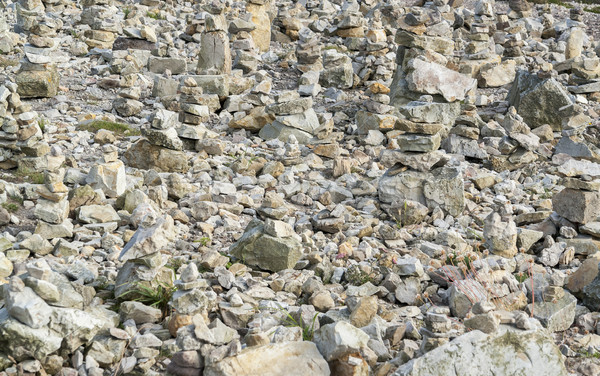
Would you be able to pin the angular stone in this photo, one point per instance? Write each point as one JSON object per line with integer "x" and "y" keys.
{"x": 445, "y": 189}
{"x": 539, "y": 101}
{"x": 109, "y": 177}
{"x": 555, "y": 316}
{"x": 476, "y": 353}
{"x": 161, "y": 64}
{"x": 500, "y": 236}
{"x": 146, "y": 241}
{"x": 339, "y": 339}
{"x": 431, "y": 78}
{"x": 36, "y": 84}
{"x": 256, "y": 248}
{"x": 289, "y": 358}
{"x": 27, "y": 307}
{"x": 576, "y": 205}
{"x": 98, "y": 214}
{"x": 419, "y": 142}
{"x": 491, "y": 75}
{"x": 143, "y": 155}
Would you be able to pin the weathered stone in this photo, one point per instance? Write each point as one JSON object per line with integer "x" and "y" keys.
{"x": 36, "y": 84}
{"x": 290, "y": 358}
{"x": 538, "y": 101}
{"x": 431, "y": 78}
{"x": 259, "y": 249}
{"x": 500, "y": 236}
{"x": 556, "y": 316}
{"x": 144, "y": 155}
{"x": 109, "y": 177}
{"x": 476, "y": 353}
{"x": 577, "y": 205}
{"x": 339, "y": 339}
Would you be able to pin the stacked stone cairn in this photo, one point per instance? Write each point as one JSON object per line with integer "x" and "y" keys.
{"x": 100, "y": 15}
{"x": 38, "y": 75}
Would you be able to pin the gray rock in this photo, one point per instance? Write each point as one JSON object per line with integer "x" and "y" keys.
{"x": 257, "y": 248}
{"x": 339, "y": 339}
{"x": 161, "y": 64}
{"x": 475, "y": 353}
{"x": 431, "y": 78}
{"x": 539, "y": 101}
{"x": 289, "y": 358}
{"x": 139, "y": 312}
{"x": 577, "y": 205}
{"x": 27, "y": 307}
{"x": 555, "y": 316}
{"x": 148, "y": 240}
{"x": 500, "y": 236}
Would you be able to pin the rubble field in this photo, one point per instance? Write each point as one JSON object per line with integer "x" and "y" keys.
{"x": 311, "y": 187}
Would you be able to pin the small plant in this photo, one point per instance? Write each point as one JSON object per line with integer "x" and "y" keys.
{"x": 126, "y": 12}
{"x": 117, "y": 128}
{"x": 29, "y": 175}
{"x": 593, "y": 10}
{"x": 175, "y": 264}
{"x": 10, "y": 207}
{"x": 521, "y": 277}
{"x": 155, "y": 15}
{"x": 42, "y": 124}
{"x": 157, "y": 297}
{"x": 589, "y": 354}
{"x": 356, "y": 276}
{"x": 308, "y": 331}
{"x": 74, "y": 34}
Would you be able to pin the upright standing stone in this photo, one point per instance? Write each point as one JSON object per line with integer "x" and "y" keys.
{"x": 262, "y": 33}
{"x": 215, "y": 55}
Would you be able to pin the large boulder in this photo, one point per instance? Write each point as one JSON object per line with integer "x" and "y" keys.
{"x": 539, "y": 101}
{"x": 289, "y": 358}
{"x": 265, "y": 250}
{"x": 507, "y": 352}
{"x": 431, "y": 78}
{"x": 442, "y": 188}
{"x": 145, "y": 156}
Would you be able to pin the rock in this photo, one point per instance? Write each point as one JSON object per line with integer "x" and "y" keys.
{"x": 507, "y": 350}
{"x": 98, "y": 214}
{"x": 539, "y": 101}
{"x": 577, "y": 205}
{"x": 339, "y": 339}
{"x": 584, "y": 275}
{"x": 139, "y": 313}
{"x": 149, "y": 240}
{"x": 338, "y": 72}
{"x": 6, "y": 266}
{"x": 38, "y": 83}
{"x": 500, "y": 236}
{"x": 556, "y": 316}
{"x": 431, "y": 78}
{"x": 291, "y": 358}
{"x": 445, "y": 190}
{"x": 161, "y": 64}
{"x": 591, "y": 294}
{"x": 257, "y": 248}
{"x": 497, "y": 75}
{"x": 574, "y": 43}
{"x": 127, "y": 107}
{"x": 144, "y": 155}
{"x": 27, "y": 307}
{"x": 109, "y": 177}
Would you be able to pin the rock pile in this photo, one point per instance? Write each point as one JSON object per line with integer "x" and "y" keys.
{"x": 303, "y": 187}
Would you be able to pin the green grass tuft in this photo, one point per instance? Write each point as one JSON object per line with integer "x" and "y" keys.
{"x": 117, "y": 128}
